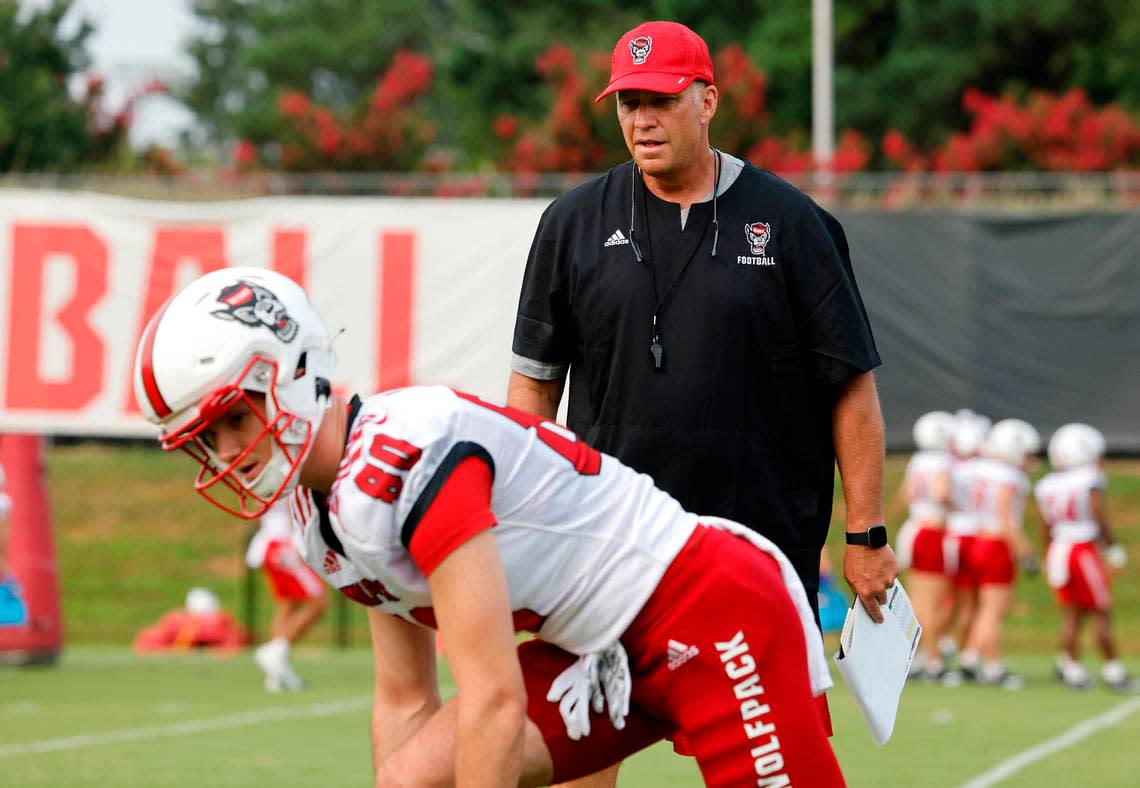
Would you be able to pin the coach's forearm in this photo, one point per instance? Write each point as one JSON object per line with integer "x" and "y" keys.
{"x": 540, "y": 397}
{"x": 857, "y": 429}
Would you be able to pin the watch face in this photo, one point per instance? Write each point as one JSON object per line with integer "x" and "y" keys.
{"x": 877, "y": 536}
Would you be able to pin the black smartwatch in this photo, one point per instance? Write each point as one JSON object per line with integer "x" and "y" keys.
{"x": 874, "y": 537}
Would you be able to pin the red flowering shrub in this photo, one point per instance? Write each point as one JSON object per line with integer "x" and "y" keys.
{"x": 108, "y": 129}
{"x": 899, "y": 152}
{"x": 851, "y": 154}
{"x": 578, "y": 135}
{"x": 741, "y": 118}
{"x": 245, "y": 154}
{"x": 780, "y": 155}
{"x": 1045, "y": 132}
{"x": 390, "y": 133}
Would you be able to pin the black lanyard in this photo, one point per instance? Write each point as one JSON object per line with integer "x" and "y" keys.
{"x": 655, "y": 348}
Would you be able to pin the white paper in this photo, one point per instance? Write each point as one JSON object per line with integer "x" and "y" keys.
{"x": 874, "y": 659}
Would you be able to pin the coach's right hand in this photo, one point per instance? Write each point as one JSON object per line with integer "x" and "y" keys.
{"x": 870, "y": 572}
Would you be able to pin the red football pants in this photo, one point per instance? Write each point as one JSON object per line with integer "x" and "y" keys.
{"x": 718, "y": 656}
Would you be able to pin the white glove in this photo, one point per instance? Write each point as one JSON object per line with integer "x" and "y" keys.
{"x": 572, "y": 691}
{"x": 1116, "y": 555}
{"x": 613, "y": 672}
{"x": 594, "y": 681}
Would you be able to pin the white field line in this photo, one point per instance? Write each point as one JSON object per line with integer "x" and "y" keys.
{"x": 1082, "y": 730}
{"x": 189, "y": 726}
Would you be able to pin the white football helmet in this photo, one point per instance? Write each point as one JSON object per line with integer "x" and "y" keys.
{"x": 202, "y": 602}
{"x": 1075, "y": 445}
{"x": 1011, "y": 441}
{"x": 229, "y": 333}
{"x": 932, "y": 431}
{"x": 969, "y": 434}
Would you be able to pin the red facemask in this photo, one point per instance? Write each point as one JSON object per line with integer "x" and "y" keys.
{"x": 220, "y": 482}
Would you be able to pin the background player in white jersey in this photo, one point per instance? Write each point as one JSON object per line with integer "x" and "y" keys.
{"x": 961, "y": 528}
{"x": 997, "y": 494}
{"x": 298, "y": 595}
{"x": 921, "y": 540}
{"x": 435, "y": 507}
{"x": 1073, "y": 505}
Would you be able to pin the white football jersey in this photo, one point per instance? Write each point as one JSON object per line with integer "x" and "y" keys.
{"x": 962, "y": 519}
{"x": 584, "y": 540}
{"x": 922, "y": 471}
{"x": 987, "y": 478}
{"x": 1065, "y": 500}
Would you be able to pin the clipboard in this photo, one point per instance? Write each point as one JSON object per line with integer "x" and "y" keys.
{"x": 874, "y": 659}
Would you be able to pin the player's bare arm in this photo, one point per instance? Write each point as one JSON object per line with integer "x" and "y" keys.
{"x": 941, "y": 488}
{"x": 1099, "y": 505}
{"x": 1010, "y": 523}
{"x": 472, "y": 606}
{"x": 540, "y": 397}
{"x": 427, "y": 760}
{"x": 857, "y": 427}
{"x": 406, "y": 691}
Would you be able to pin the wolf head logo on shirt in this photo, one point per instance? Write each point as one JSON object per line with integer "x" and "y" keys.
{"x": 758, "y": 233}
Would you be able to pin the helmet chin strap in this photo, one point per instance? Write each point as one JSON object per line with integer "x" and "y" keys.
{"x": 323, "y": 387}
{"x": 296, "y": 434}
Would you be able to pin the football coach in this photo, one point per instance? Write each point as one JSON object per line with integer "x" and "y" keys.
{"x": 707, "y": 316}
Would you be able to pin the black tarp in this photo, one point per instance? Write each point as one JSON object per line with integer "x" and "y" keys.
{"x": 1028, "y": 316}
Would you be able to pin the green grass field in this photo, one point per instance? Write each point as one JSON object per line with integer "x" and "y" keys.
{"x": 132, "y": 538}
{"x": 104, "y": 717}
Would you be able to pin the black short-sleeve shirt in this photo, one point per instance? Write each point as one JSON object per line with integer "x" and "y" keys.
{"x": 737, "y": 422}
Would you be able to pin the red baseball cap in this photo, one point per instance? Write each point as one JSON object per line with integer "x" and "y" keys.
{"x": 664, "y": 57}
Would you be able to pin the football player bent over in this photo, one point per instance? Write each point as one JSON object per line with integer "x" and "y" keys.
{"x": 437, "y": 509}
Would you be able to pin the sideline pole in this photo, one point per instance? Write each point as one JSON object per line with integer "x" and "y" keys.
{"x": 822, "y": 92}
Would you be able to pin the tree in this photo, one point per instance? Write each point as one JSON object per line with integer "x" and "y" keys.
{"x": 491, "y": 68}
{"x": 388, "y": 134}
{"x": 252, "y": 53}
{"x": 927, "y": 53}
{"x": 901, "y": 66}
{"x": 42, "y": 127}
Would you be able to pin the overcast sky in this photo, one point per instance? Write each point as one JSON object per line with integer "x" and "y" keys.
{"x": 133, "y": 41}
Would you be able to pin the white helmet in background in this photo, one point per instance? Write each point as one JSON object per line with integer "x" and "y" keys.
{"x": 1075, "y": 445}
{"x": 969, "y": 434}
{"x": 202, "y": 602}
{"x": 967, "y": 416}
{"x": 932, "y": 431}
{"x": 229, "y": 333}
{"x": 1011, "y": 441}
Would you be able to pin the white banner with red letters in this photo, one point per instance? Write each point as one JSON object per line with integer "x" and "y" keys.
{"x": 424, "y": 289}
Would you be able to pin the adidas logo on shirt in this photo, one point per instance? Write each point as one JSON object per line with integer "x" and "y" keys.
{"x": 617, "y": 239}
{"x": 679, "y": 654}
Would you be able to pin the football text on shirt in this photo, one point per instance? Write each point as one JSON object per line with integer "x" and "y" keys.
{"x": 742, "y": 260}
{"x": 741, "y": 668}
